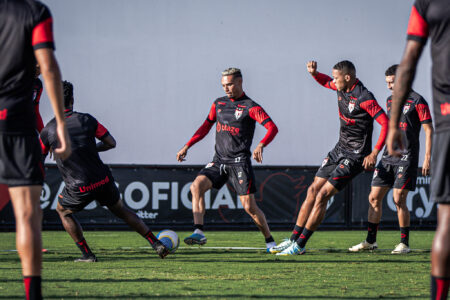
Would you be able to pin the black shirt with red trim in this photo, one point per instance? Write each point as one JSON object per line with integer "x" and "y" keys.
{"x": 84, "y": 166}
{"x": 415, "y": 112}
{"x": 431, "y": 18}
{"x": 25, "y": 25}
{"x": 357, "y": 110}
{"x": 235, "y": 126}
{"x": 37, "y": 92}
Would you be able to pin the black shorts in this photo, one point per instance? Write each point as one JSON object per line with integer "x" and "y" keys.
{"x": 240, "y": 176}
{"x": 440, "y": 168}
{"x": 398, "y": 177}
{"x": 105, "y": 195}
{"x": 21, "y": 160}
{"x": 339, "y": 169}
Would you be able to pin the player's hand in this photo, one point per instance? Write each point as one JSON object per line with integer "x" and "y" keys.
{"x": 311, "y": 66}
{"x": 258, "y": 153}
{"x": 182, "y": 153}
{"x": 394, "y": 141}
{"x": 65, "y": 149}
{"x": 426, "y": 167}
{"x": 370, "y": 160}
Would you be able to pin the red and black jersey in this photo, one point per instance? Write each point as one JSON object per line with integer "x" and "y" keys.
{"x": 25, "y": 25}
{"x": 37, "y": 92}
{"x": 235, "y": 126}
{"x": 415, "y": 112}
{"x": 431, "y": 18}
{"x": 84, "y": 166}
{"x": 357, "y": 110}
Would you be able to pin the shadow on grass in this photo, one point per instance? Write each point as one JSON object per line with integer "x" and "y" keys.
{"x": 221, "y": 296}
{"x": 105, "y": 280}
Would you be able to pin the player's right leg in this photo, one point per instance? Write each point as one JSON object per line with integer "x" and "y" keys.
{"x": 303, "y": 215}
{"x": 73, "y": 228}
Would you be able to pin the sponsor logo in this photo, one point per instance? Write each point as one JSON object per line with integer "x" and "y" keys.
{"x": 238, "y": 112}
{"x": 403, "y": 126}
{"x": 3, "y": 114}
{"x": 406, "y": 108}
{"x": 209, "y": 165}
{"x": 224, "y": 127}
{"x": 341, "y": 166}
{"x": 221, "y": 103}
{"x": 95, "y": 185}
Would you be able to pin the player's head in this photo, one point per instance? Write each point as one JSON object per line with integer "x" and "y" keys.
{"x": 390, "y": 76}
{"x": 344, "y": 75}
{"x": 232, "y": 82}
{"x": 68, "y": 94}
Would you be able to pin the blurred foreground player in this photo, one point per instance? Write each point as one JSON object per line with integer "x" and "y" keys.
{"x": 430, "y": 18}
{"x": 26, "y": 36}
{"x": 86, "y": 178}
{"x": 235, "y": 115}
{"x": 399, "y": 172}
{"x": 352, "y": 154}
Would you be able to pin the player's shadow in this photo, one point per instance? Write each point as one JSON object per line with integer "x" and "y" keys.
{"x": 100, "y": 280}
{"x": 209, "y": 296}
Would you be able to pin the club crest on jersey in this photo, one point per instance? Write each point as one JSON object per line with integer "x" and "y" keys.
{"x": 238, "y": 112}
{"x": 406, "y": 108}
{"x": 351, "y": 105}
{"x": 324, "y": 162}
{"x": 209, "y": 165}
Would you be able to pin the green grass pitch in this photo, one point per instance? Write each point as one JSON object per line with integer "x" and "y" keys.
{"x": 128, "y": 269}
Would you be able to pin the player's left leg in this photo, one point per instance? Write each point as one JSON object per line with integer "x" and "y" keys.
{"x": 403, "y": 220}
{"x": 28, "y": 214}
{"x": 440, "y": 255}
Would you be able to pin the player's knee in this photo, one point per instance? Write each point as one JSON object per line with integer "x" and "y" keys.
{"x": 312, "y": 190}
{"x": 374, "y": 201}
{"x": 29, "y": 216}
{"x": 400, "y": 200}
{"x": 195, "y": 187}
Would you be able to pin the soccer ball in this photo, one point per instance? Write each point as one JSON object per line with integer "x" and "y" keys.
{"x": 169, "y": 239}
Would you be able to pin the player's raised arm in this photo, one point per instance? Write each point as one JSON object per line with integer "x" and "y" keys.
{"x": 201, "y": 132}
{"x": 321, "y": 78}
{"x": 374, "y": 109}
{"x": 258, "y": 114}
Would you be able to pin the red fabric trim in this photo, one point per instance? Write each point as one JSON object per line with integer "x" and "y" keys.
{"x": 44, "y": 148}
{"x": 371, "y": 106}
{"x": 101, "y": 131}
{"x": 39, "y": 122}
{"x": 272, "y": 131}
{"x": 424, "y": 112}
{"x": 212, "y": 113}
{"x": 27, "y": 284}
{"x": 258, "y": 114}
{"x": 325, "y": 80}
{"x": 341, "y": 177}
{"x": 417, "y": 25}
{"x": 442, "y": 286}
{"x": 42, "y": 32}
{"x": 409, "y": 179}
{"x": 201, "y": 132}
{"x": 384, "y": 122}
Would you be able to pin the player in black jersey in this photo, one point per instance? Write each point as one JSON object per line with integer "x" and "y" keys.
{"x": 430, "y": 18}
{"x": 86, "y": 178}
{"x": 352, "y": 154}
{"x": 399, "y": 173}
{"x": 37, "y": 92}
{"x": 235, "y": 116}
{"x": 26, "y": 38}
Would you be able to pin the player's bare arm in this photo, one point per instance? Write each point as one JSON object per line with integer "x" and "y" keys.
{"x": 311, "y": 66}
{"x": 404, "y": 78}
{"x": 428, "y": 128}
{"x": 181, "y": 155}
{"x": 52, "y": 78}
{"x": 258, "y": 153}
{"x": 106, "y": 143}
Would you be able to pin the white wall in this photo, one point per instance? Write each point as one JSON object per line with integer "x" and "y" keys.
{"x": 149, "y": 70}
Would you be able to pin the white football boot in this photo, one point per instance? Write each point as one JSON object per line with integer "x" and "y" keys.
{"x": 401, "y": 249}
{"x": 363, "y": 246}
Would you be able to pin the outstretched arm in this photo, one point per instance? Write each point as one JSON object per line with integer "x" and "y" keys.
{"x": 321, "y": 78}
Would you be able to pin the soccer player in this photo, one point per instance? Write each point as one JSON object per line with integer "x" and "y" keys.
{"x": 37, "y": 92}
{"x": 235, "y": 115}
{"x": 26, "y": 38}
{"x": 352, "y": 154}
{"x": 399, "y": 172}
{"x": 430, "y": 18}
{"x": 86, "y": 178}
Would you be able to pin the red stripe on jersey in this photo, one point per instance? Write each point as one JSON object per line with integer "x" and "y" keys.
{"x": 272, "y": 131}
{"x": 101, "y": 131}
{"x": 371, "y": 106}
{"x": 325, "y": 80}
{"x": 424, "y": 112}
{"x": 258, "y": 114}
{"x": 417, "y": 25}
{"x": 212, "y": 113}
{"x": 201, "y": 132}
{"x": 42, "y": 32}
{"x": 383, "y": 120}
{"x": 409, "y": 179}
{"x": 44, "y": 148}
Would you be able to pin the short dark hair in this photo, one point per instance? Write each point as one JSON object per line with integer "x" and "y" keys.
{"x": 391, "y": 70}
{"x": 346, "y": 67}
{"x": 235, "y": 72}
{"x": 68, "y": 93}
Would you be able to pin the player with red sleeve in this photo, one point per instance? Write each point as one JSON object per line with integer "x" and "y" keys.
{"x": 352, "y": 154}
{"x": 430, "y": 19}
{"x": 26, "y": 38}
{"x": 235, "y": 116}
{"x": 399, "y": 173}
{"x": 87, "y": 178}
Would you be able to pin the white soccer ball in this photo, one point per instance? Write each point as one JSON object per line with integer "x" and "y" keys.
{"x": 170, "y": 239}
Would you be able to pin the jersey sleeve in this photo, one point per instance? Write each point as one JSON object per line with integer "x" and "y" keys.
{"x": 101, "y": 131}
{"x": 42, "y": 33}
{"x": 417, "y": 25}
{"x": 212, "y": 114}
{"x": 258, "y": 114}
{"x": 325, "y": 81}
{"x": 423, "y": 110}
{"x": 372, "y": 107}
